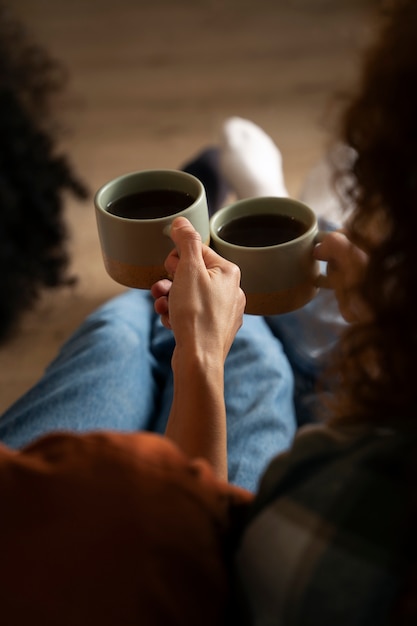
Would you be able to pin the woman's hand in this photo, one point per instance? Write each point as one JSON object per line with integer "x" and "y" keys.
{"x": 346, "y": 264}
{"x": 203, "y": 304}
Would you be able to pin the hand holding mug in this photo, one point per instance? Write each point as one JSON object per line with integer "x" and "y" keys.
{"x": 204, "y": 303}
{"x": 345, "y": 266}
{"x": 270, "y": 239}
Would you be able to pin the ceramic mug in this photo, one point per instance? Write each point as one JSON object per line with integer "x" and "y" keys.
{"x": 273, "y": 246}
{"x": 134, "y": 213}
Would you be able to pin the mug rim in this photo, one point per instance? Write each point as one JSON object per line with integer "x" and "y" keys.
{"x": 262, "y": 199}
{"x": 153, "y": 171}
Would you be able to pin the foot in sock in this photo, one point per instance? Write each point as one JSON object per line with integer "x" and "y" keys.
{"x": 249, "y": 160}
{"x": 252, "y": 164}
{"x": 205, "y": 167}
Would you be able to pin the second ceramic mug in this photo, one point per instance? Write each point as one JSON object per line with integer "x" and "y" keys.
{"x": 134, "y": 213}
{"x": 279, "y": 272}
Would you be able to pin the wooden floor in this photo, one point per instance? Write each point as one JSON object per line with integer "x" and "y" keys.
{"x": 151, "y": 84}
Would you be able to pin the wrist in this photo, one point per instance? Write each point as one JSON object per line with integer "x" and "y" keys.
{"x": 197, "y": 359}
{"x": 197, "y": 421}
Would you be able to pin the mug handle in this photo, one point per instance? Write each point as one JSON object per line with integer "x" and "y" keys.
{"x": 322, "y": 280}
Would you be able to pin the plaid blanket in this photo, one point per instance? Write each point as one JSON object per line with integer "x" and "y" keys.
{"x": 326, "y": 542}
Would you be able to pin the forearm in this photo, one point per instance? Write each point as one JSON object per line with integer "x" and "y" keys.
{"x": 204, "y": 310}
{"x": 197, "y": 421}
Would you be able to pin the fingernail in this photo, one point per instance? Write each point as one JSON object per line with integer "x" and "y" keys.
{"x": 179, "y": 222}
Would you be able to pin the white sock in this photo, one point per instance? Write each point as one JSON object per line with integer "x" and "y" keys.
{"x": 249, "y": 160}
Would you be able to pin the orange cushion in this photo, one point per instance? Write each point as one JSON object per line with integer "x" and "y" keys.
{"x": 112, "y": 529}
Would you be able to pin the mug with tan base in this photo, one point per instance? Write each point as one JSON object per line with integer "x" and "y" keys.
{"x": 134, "y": 213}
{"x": 271, "y": 240}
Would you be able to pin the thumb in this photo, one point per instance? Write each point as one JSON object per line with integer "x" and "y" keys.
{"x": 186, "y": 239}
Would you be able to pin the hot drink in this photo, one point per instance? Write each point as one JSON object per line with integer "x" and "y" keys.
{"x": 134, "y": 215}
{"x": 271, "y": 240}
{"x": 150, "y": 204}
{"x": 260, "y": 230}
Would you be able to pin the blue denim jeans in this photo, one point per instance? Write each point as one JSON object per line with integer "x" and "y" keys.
{"x": 115, "y": 373}
{"x": 308, "y": 337}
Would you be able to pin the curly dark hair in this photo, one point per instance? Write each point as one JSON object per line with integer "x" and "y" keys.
{"x": 33, "y": 175}
{"x": 380, "y": 124}
{"x": 376, "y": 360}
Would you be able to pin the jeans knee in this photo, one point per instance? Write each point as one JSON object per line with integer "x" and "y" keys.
{"x": 107, "y": 337}
{"x": 121, "y": 334}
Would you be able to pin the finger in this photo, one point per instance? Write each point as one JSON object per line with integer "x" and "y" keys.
{"x": 186, "y": 239}
{"x": 334, "y": 245}
{"x": 161, "y": 288}
{"x": 214, "y": 260}
{"x": 171, "y": 262}
{"x": 165, "y": 322}
{"x": 161, "y": 306}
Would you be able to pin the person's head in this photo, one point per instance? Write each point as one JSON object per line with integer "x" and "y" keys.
{"x": 380, "y": 124}
{"x": 34, "y": 176}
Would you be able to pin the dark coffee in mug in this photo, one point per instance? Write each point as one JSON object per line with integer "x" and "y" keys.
{"x": 259, "y": 230}
{"x": 150, "y": 204}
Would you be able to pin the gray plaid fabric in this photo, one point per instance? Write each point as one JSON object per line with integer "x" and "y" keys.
{"x": 326, "y": 542}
